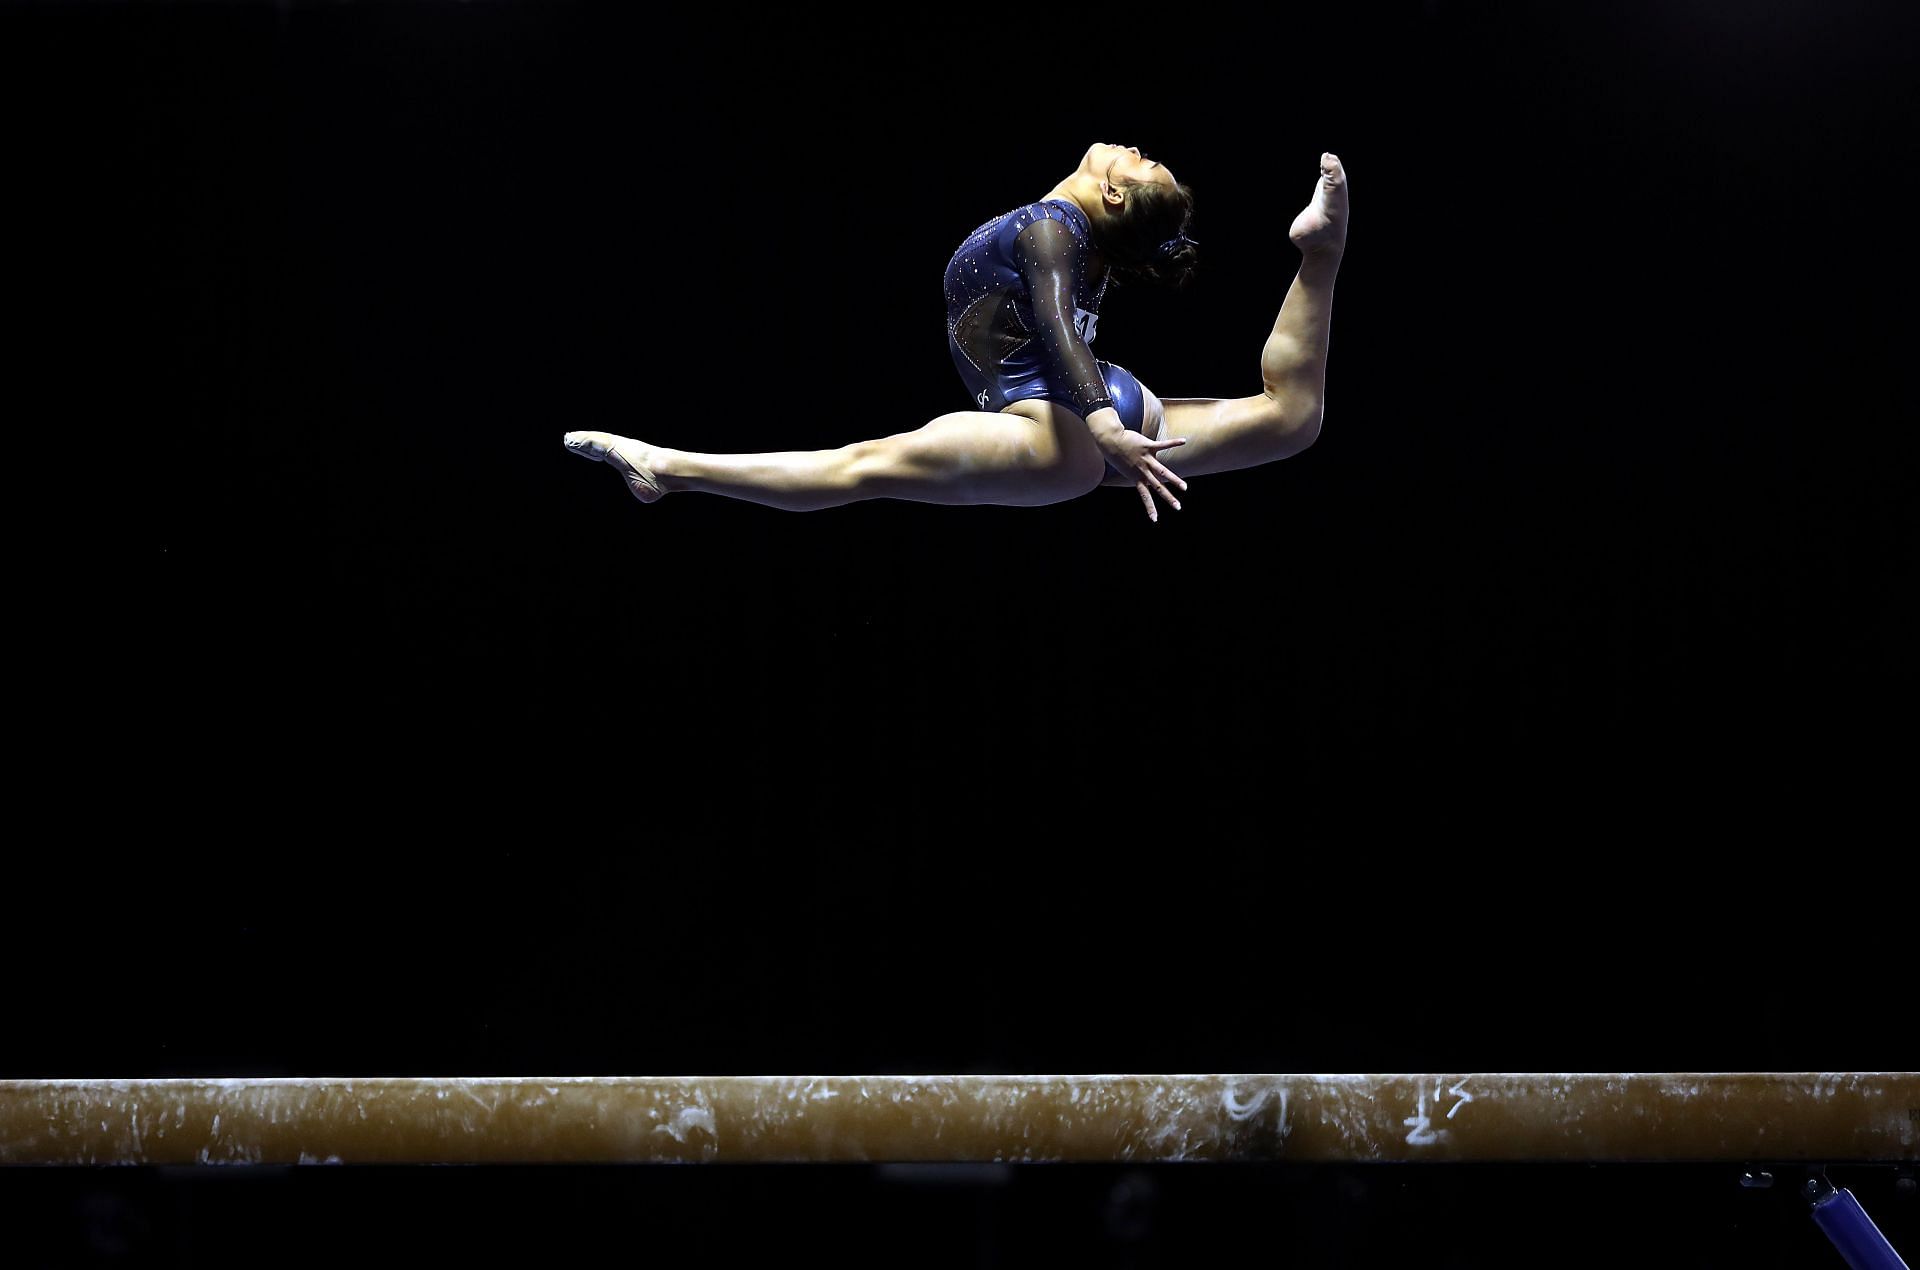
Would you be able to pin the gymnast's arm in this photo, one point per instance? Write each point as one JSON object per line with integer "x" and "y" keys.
{"x": 1046, "y": 259}
{"x": 1046, "y": 252}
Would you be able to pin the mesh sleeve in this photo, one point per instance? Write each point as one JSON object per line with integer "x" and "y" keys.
{"x": 1047, "y": 250}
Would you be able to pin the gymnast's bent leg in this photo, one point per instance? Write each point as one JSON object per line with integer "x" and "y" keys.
{"x": 1032, "y": 453}
{"x": 1225, "y": 434}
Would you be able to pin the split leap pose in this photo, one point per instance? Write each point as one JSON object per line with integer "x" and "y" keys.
{"x": 1053, "y": 422}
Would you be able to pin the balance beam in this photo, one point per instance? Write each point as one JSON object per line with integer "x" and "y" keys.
{"x": 1670, "y": 1116}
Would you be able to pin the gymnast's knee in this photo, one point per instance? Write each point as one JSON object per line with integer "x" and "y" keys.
{"x": 1298, "y": 417}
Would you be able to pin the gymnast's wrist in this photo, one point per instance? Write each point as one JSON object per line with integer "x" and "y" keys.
{"x": 1105, "y": 423}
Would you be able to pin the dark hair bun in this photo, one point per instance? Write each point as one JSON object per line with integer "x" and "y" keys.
{"x": 1146, "y": 242}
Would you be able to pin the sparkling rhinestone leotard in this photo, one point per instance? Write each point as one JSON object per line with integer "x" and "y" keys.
{"x": 1021, "y": 314}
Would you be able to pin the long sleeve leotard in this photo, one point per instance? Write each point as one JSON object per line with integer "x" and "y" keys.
{"x": 1021, "y": 314}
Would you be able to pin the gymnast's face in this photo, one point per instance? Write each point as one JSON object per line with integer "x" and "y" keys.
{"x": 1118, "y": 165}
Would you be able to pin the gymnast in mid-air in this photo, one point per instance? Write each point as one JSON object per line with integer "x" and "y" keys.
{"x": 1052, "y": 422}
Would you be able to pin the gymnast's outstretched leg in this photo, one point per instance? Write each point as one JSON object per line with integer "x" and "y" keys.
{"x": 1224, "y": 434}
{"x": 1032, "y": 453}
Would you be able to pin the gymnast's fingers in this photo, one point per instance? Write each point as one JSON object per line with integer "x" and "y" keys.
{"x": 1147, "y": 498}
{"x": 1146, "y": 474}
{"x": 1167, "y": 474}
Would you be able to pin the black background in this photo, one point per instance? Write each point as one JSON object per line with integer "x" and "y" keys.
{"x": 1552, "y": 712}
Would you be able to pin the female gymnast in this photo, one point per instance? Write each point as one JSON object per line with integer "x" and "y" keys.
{"x": 1023, "y": 299}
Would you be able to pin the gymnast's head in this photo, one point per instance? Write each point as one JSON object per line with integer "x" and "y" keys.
{"x": 1139, "y": 215}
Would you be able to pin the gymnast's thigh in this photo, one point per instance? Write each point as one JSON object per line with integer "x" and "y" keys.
{"x": 1080, "y": 459}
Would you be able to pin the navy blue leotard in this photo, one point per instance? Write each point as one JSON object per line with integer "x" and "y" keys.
{"x": 1020, "y": 316}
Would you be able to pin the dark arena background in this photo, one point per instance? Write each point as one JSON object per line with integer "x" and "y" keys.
{"x": 1554, "y": 712}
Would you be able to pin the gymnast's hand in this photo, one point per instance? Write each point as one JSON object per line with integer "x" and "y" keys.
{"x": 1133, "y": 455}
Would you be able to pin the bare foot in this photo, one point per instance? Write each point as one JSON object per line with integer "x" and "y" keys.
{"x": 632, "y": 459}
{"x": 1322, "y": 227}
